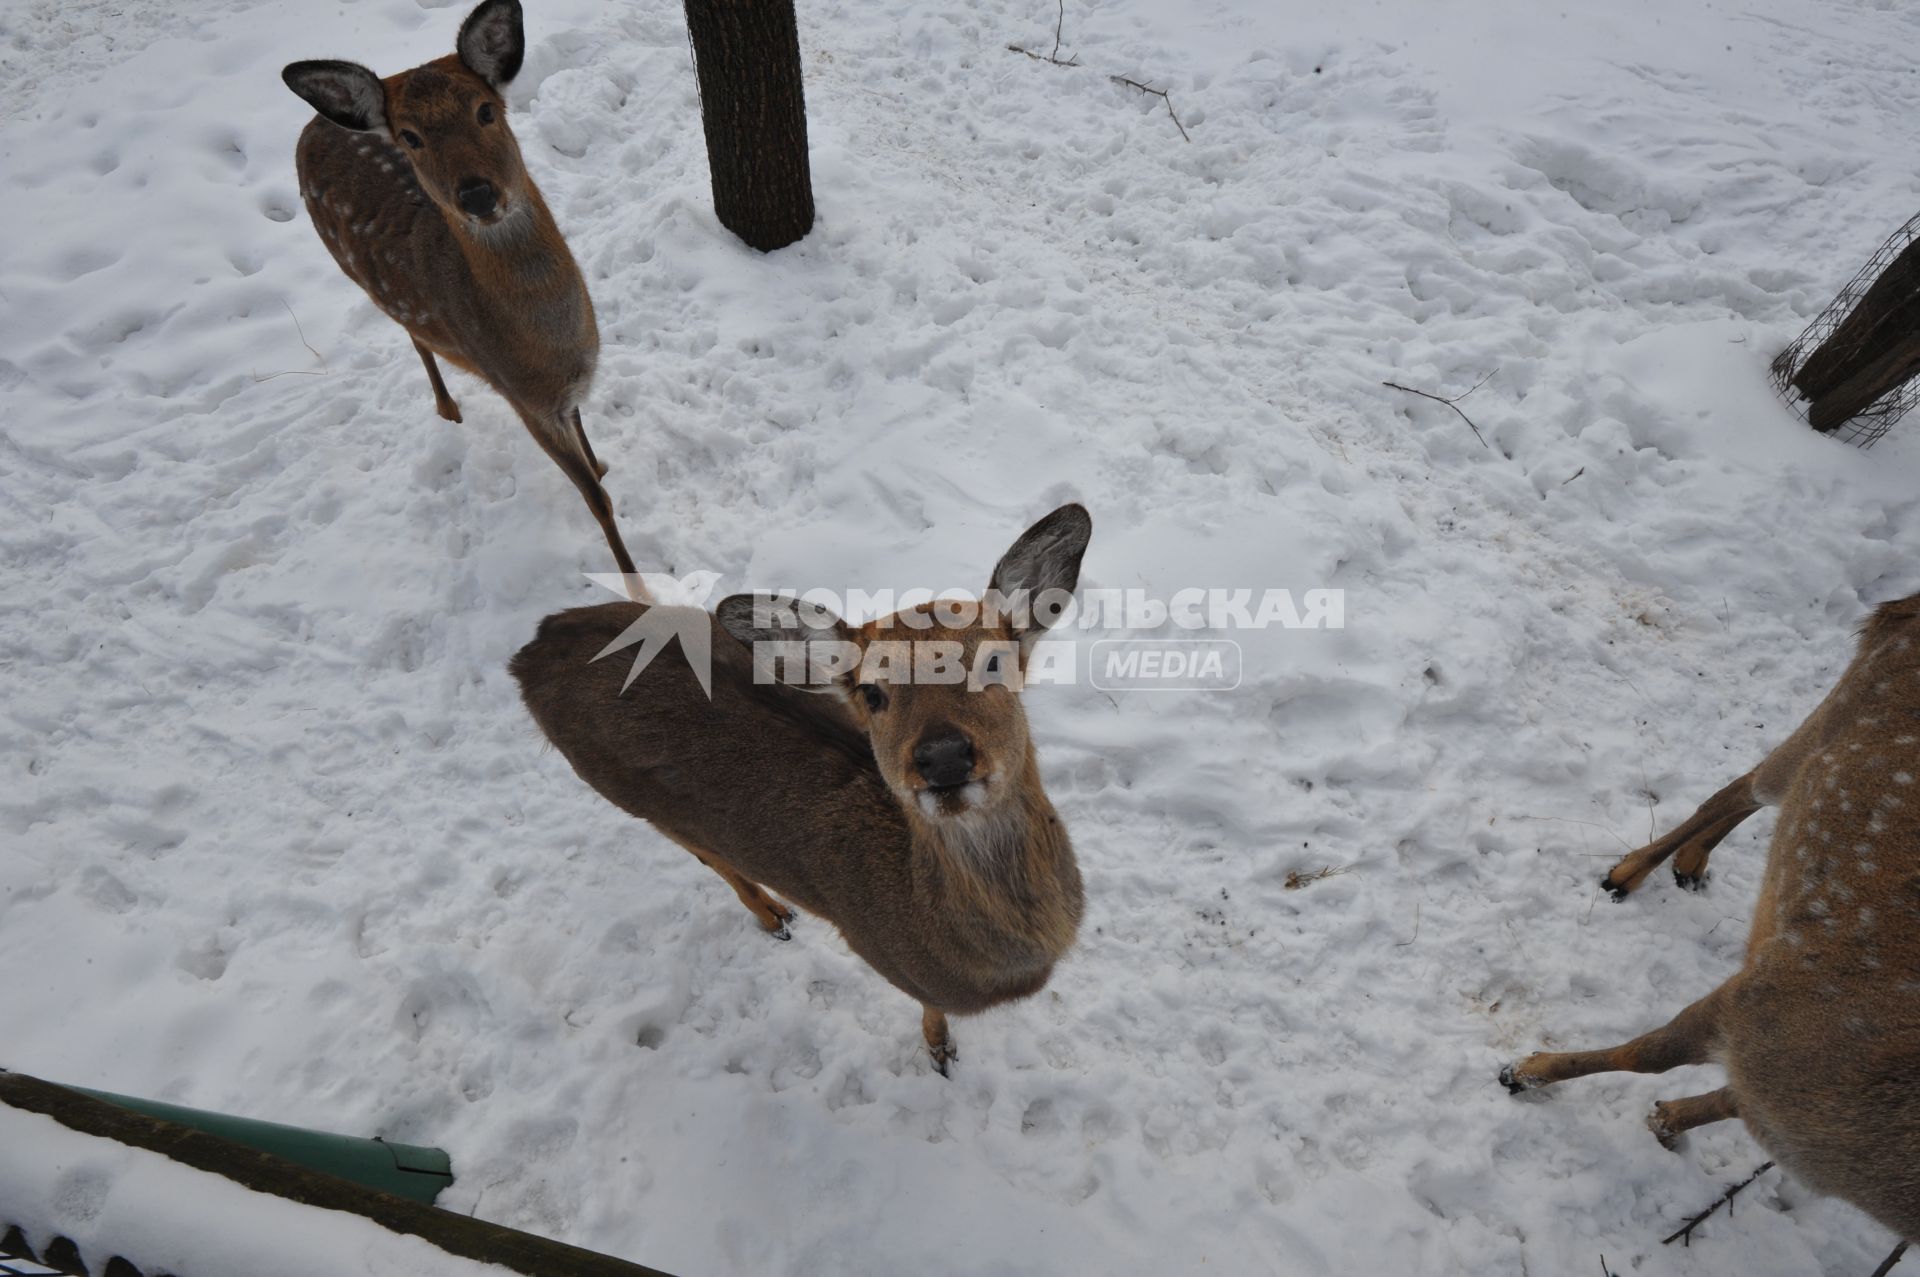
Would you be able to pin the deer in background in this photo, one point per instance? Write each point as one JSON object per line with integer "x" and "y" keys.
{"x": 1819, "y": 1031}
{"x": 908, "y": 813}
{"x": 416, "y": 186}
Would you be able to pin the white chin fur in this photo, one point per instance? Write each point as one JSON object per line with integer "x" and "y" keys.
{"x": 973, "y": 796}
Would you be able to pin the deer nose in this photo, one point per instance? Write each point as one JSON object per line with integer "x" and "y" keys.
{"x": 945, "y": 760}
{"x": 477, "y": 196}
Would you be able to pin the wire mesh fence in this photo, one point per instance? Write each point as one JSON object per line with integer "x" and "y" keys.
{"x": 1851, "y": 374}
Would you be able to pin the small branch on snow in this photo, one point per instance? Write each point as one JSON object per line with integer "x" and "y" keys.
{"x": 1073, "y": 61}
{"x": 1401, "y": 944}
{"x": 1684, "y": 1234}
{"x": 1059, "y": 22}
{"x": 1162, "y": 95}
{"x": 1886, "y": 1265}
{"x": 1296, "y": 879}
{"x": 1575, "y": 475}
{"x": 1453, "y": 403}
{"x": 321, "y": 371}
{"x": 1053, "y": 57}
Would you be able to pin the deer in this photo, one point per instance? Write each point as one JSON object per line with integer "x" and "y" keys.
{"x": 859, "y": 784}
{"x": 417, "y": 187}
{"x": 1819, "y": 1030}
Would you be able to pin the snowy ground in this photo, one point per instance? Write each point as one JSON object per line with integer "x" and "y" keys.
{"x": 280, "y": 840}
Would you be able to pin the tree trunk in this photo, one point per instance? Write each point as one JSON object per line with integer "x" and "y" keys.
{"x": 746, "y": 54}
{"x": 1880, "y": 320}
{"x": 1892, "y": 368}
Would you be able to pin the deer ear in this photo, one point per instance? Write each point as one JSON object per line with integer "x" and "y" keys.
{"x": 1044, "y": 564}
{"x": 345, "y": 92}
{"x": 493, "y": 42}
{"x": 771, "y": 624}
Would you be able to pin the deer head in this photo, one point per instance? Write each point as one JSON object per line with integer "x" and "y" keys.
{"x": 446, "y": 118}
{"x": 936, "y": 686}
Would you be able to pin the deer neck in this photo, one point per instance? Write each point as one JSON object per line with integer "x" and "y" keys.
{"x": 522, "y": 264}
{"x": 1004, "y": 878}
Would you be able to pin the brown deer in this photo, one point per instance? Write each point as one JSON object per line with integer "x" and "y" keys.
{"x": 905, "y": 809}
{"x": 416, "y": 186}
{"x": 1819, "y": 1031}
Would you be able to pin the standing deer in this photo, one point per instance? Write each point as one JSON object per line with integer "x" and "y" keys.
{"x": 416, "y": 185}
{"x": 1819, "y": 1031}
{"x": 907, "y": 812}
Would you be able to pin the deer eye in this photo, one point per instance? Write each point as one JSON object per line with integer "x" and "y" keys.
{"x": 875, "y": 697}
{"x": 485, "y": 113}
{"x": 411, "y": 138}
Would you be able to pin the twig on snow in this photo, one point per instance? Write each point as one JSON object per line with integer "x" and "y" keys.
{"x": 1575, "y": 475}
{"x": 1453, "y": 403}
{"x": 1684, "y": 1234}
{"x": 1401, "y": 944}
{"x": 1886, "y": 1265}
{"x": 303, "y": 332}
{"x": 1162, "y": 95}
{"x": 1296, "y": 880}
{"x": 321, "y": 371}
{"x": 1053, "y": 57}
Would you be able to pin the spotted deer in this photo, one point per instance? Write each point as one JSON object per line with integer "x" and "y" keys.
{"x": 416, "y": 186}
{"x": 905, "y": 810}
{"x": 1819, "y": 1030}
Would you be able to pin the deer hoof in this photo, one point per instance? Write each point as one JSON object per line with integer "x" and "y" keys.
{"x": 781, "y": 932}
{"x": 1657, "y": 1123}
{"x": 1516, "y": 1082}
{"x": 450, "y": 411}
{"x": 1691, "y": 882}
{"x": 944, "y": 1057}
{"x": 1618, "y": 890}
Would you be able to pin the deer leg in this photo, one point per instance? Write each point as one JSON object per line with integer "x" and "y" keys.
{"x": 933, "y": 1027}
{"x": 773, "y": 914}
{"x": 1670, "y": 1117}
{"x": 1686, "y": 1039}
{"x": 1693, "y": 839}
{"x": 441, "y": 399}
{"x": 580, "y": 433}
{"x": 576, "y": 467}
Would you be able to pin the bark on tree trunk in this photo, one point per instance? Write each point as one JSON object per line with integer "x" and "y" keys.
{"x": 1881, "y": 319}
{"x": 1892, "y": 367}
{"x": 746, "y": 54}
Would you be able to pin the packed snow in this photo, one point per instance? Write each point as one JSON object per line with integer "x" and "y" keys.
{"x": 280, "y": 840}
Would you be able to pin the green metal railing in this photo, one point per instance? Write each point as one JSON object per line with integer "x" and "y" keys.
{"x": 405, "y": 1170}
